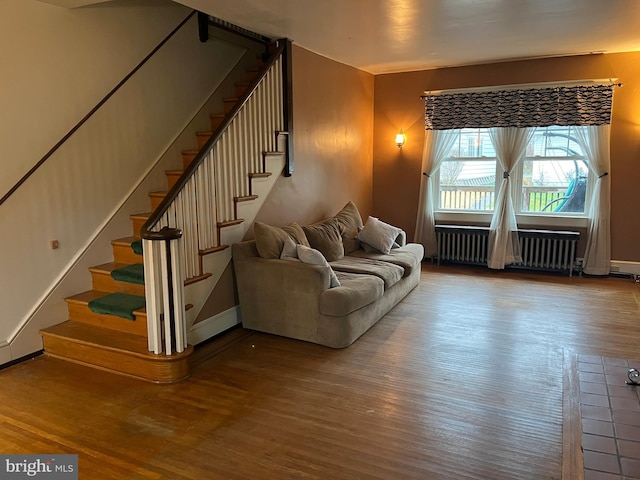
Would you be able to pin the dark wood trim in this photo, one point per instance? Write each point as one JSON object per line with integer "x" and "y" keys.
{"x": 287, "y": 75}
{"x": 237, "y": 30}
{"x": 41, "y": 162}
{"x": 165, "y": 233}
{"x": 21, "y": 359}
{"x": 203, "y": 27}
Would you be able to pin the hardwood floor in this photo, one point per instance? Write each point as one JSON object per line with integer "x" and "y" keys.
{"x": 462, "y": 380}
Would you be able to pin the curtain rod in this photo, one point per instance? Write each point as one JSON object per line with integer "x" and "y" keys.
{"x": 520, "y": 86}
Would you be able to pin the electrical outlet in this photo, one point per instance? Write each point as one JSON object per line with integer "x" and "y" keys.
{"x": 54, "y": 244}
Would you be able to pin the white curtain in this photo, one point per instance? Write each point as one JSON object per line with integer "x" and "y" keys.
{"x": 504, "y": 247}
{"x": 437, "y": 145}
{"x": 594, "y": 141}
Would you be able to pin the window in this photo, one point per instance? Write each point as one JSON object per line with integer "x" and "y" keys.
{"x": 551, "y": 180}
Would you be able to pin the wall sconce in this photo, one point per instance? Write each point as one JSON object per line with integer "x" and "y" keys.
{"x": 400, "y": 139}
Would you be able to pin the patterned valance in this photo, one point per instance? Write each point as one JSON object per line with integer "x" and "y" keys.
{"x": 531, "y": 107}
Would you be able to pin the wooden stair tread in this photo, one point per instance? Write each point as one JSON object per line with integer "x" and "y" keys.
{"x": 192, "y": 280}
{"x": 103, "y": 280}
{"x": 272, "y": 154}
{"x": 108, "y": 267}
{"x": 80, "y": 312}
{"x": 123, "y": 252}
{"x": 173, "y": 172}
{"x": 190, "y": 152}
{"x": 230, "y": 223}
{"x": 159, "y": 193}
{"x": 216, "y": 120}
{"x": 85, "y": 297}
{"x": 245, "y": 198}
{"x": 109, "y": 338}
{"x": 260, "y": 175}
{"x": 207, "y": 251}
{"x": 125, "y": 241}
{"x": 142, "y": 215}
{"x": 203, "y": 137}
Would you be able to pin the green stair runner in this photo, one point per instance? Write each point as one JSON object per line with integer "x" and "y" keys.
{"x": 119, "y": 304}
{"x": 130, "y": 274}
{"x": 137, "y": 247}
{"x": 123, "y": 304}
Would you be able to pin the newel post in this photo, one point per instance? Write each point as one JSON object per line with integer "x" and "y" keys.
{"x": 164, "y": 290}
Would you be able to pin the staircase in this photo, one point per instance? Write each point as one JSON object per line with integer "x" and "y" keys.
{"x": 108, "y": 326}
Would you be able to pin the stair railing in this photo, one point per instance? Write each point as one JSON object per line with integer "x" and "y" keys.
{"x": 186, "y": 223}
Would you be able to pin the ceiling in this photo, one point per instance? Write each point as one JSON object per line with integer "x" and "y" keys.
{"x": 381, "y": 36}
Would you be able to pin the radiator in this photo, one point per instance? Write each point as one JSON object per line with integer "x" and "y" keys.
{"x": 545, "y": 250}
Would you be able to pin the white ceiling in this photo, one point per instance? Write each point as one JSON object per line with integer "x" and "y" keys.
{"x": 382, "y": 36}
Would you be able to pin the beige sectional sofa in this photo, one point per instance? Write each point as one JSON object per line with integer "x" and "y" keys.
{"x": 285, "y": 285}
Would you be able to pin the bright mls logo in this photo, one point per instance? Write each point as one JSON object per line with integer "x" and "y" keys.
{"x": 50, "y": 467}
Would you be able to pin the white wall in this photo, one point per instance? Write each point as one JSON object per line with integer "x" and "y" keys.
{"x": 63, "y": 62}
{"x": 57, "y": 64}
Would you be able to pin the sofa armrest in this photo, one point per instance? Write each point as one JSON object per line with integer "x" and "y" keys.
{"x": 281, "y": 296}
{"x": 401, "y": 239}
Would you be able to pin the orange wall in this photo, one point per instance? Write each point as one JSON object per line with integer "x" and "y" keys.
{"x": 396, "y": 178}
{"x": 333, "y": 143}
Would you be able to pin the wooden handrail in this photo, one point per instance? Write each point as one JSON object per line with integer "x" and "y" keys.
{"x": 156, "y": 215}
{"x": 41, "y": 162}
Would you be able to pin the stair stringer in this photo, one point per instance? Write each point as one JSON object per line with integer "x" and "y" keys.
{"x": 198, "y": 293}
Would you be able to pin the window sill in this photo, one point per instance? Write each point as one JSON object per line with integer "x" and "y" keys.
{"x": 477, "y": 218}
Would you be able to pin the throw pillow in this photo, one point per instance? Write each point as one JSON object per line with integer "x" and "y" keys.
{"x": 296, "y": 233}
{"x": 379, "y": 235}
{"x": 325, "y": 237}
{"x": 270, "y": 240}
{"x": 289, "y": 250}
{"x": 314, "y": 257}
{"x": 350, "y": 223}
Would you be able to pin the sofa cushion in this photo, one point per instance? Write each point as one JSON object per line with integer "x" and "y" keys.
{"x": 325, "y": 236}
{"x": 270, "y": 239}
{"x": 314, "y": 257}
{"x": 408, "y": 257}
{"x": 388, "y": 272}
{"x": 379, "y": 235}
{"x": 350, "y": 223}
{"x": 355, "y": 291}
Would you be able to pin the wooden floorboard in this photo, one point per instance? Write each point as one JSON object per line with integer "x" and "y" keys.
{"x": 463, "y": 380}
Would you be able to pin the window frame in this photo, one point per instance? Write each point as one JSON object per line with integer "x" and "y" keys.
{"x": 561, "y": 219}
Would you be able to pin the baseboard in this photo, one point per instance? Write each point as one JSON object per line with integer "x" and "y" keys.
{"x": 5, "y": 353}
{"x": 212, "y": 326}
{"x": 620, "y": 266}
